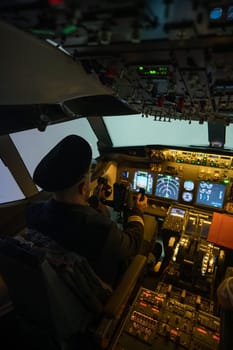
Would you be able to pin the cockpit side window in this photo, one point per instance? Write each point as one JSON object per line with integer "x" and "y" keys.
{"x": 33, "y": 144}
{"x": 9, "y": 189}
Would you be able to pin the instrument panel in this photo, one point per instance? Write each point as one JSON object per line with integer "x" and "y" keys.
{"x": 176, "y": 176}
{"x": 169, "y": 318}
{"x": 184, "y": 189}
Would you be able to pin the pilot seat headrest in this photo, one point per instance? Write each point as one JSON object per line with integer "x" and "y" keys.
{"x": 64, "y": 165}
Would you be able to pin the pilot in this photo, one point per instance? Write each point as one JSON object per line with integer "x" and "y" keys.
{"x": 225, "y": 300}
{"x": 68, "y": 219}
{"x": 225, "y": 293}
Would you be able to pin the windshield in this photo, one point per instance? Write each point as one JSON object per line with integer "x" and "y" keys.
{"x": 134, "y": 130}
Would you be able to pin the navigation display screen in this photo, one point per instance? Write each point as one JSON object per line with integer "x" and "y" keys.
{"x": 167, "y": 186}
{"x": 143, "y": 180}
{"x": 210, "y": 194}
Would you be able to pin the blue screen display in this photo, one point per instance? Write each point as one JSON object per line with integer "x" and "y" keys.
{"x": 167, "y": 186}
{"x": 143, "y": 180}
{"x": 210, "y": 194}
{"x": 216, "y": 13}
{"x": 230, "y": 13}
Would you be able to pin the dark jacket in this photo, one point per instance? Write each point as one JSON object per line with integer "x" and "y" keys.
{"x": 84, "y": 230}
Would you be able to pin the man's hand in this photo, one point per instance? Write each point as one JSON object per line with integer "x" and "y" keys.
{"x": 99, "y": 192}
{"x": 141, "y": 205}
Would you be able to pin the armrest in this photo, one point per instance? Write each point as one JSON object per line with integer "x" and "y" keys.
{"x": 117, "y": 301}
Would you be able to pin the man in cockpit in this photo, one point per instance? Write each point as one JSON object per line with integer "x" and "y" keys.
{"x": 68, "y": 219}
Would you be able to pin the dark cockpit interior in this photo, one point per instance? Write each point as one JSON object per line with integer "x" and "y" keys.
{"x": 149, "y": 84}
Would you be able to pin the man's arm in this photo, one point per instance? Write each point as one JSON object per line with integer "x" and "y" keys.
{"x": 126, "y": 243}
{"x": 225, "y": 293}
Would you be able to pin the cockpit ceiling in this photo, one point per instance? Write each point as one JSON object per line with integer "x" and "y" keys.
{"x": 167, "y": 59}
{"x": 42, "y": 85}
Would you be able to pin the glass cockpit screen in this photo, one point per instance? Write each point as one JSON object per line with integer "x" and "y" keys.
{"x": 167, "y": 186}
{"x": 143, "y": 180}
{"x": 210, "y": 194}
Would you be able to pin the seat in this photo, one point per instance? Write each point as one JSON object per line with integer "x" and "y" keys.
{"x": 226, "y": 334}
{"x": 54, "y": 315}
